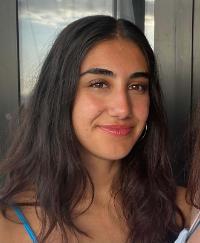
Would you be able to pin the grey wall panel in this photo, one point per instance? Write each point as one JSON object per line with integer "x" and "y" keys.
{"x": 139, "y": 13}
{"x": 8, "y": 66}
{"x": 173, "y": 47}
{"x": 125, "y": 10}
{"x": 196, "y": 54}
{"x": 165, "y": 49}
{"x": 132, "y": 10}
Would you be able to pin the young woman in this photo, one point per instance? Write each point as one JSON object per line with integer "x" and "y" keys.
{"x": 192, "y": 235}
{"x": 89, "y": 162}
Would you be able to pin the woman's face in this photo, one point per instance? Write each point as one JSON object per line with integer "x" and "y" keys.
{"x": 112, "y": 101}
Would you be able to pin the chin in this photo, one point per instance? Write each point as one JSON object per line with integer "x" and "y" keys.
{"x": 114, "y": 155}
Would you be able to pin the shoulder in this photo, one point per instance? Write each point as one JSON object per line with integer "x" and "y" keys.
{"x": 183, "y": 205}
{"x": 11, "y": 230}
{"x": 195, "y": 217}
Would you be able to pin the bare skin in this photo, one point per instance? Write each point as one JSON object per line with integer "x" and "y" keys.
{"x": 189, "y": 212}
{"x": 99, "y": 222}
{"x": 104, "y": 224}
{"x": 183, "y": 205}
{"x": 11, "y": 232}
{"x": 196, "y": 236}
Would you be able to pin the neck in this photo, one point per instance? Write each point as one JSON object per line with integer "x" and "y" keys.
{"x": 104, "y": 174}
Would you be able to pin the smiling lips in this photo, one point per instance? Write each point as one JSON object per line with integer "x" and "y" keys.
{"x": 116, "y": 130}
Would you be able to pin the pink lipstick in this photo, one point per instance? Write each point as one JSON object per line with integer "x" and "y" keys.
{"x": 116, "y": 130}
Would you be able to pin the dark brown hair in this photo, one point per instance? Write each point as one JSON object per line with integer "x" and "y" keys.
{"x": 193, "y": 191}
{"x": 44, "y": 153}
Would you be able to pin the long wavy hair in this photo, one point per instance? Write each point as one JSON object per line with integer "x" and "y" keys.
{"x": 193, "y": 188}
{"x": 44, "y": 153}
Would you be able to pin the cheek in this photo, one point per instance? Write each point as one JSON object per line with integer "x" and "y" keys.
{"x": 86, "y": 109}
{"x": 140, "y": 108}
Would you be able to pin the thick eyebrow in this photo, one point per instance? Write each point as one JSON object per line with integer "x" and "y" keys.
{"x": 102, "y": 71}
{"x": 140, "y": 75}
{"x": 107, "y": 72}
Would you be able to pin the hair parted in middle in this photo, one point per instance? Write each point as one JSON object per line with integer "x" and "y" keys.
{"x": 47, "y": 157}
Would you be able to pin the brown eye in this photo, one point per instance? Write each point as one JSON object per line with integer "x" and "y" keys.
{"x": 99, "y": 84}
{"x": 138, "y": 87}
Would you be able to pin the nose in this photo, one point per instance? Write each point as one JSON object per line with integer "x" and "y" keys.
{"x": 120, "y": 105}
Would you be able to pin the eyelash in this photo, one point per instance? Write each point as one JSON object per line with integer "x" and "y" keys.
{"x": 139, "y": 87}
{"x": 98, "y": 84}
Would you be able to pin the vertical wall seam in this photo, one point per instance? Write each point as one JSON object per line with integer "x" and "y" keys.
{"x": 192, "y": 60}
{"x": 115, "y": 9}
{"x": 18, "y": 58}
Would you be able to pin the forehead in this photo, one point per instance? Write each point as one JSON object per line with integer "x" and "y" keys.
{"x": 115, "y": 54}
